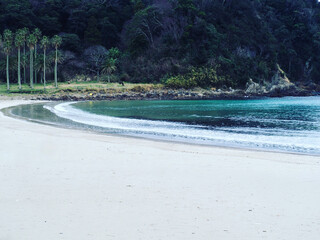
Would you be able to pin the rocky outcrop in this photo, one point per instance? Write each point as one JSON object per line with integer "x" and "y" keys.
{"x": 254, "y": 89}
{"x": 159, "y": 94}
{"x": 279, "y": 86}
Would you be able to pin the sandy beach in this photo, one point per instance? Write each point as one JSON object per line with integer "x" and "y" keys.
{"x": 68, "y": 184}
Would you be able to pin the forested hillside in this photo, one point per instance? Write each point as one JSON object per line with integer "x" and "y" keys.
{"x": 179, "y": 42}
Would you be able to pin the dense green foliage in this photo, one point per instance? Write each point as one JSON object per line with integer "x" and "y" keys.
{"x": 199, "y": 77}
{"x": 184, "y": 43}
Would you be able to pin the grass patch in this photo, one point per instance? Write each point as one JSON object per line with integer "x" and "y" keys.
{"x": 74, "y": 87}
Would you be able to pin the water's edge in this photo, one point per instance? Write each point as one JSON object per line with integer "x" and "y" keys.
{"x": 63, "y": 123}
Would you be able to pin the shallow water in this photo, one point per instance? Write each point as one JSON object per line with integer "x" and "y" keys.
{"x": 283, "y": 124}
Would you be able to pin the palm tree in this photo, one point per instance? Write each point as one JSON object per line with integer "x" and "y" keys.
{"x": 56, "y": 42}
{"x": 1, "y": 40}
{"x": 19, "y": 42}
{"x": 24, "y": 34}
{"x": 7, "y": 45}
{"x": 31, "y": 41}
{"x": 37, "y": 33}
{"x": 44, "y": 43}
{"x": 109, "y": 67}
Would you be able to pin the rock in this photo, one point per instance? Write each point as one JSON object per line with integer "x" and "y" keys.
{"x": 281, "y": 85}
{"x": 253, "y": 88}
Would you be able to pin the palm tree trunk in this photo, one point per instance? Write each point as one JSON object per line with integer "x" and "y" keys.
{"x": 19, "y": 69}
{"x": 8, "y": 80}
{"x": 31, "y": 68}
{"x": 56, "y": 69}
{"x": 24, "y": 63}
{"x": 35, "y": 59}
{"x": 44, "y": 69}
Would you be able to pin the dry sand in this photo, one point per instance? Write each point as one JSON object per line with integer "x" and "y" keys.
{"x": 68, "y": 184}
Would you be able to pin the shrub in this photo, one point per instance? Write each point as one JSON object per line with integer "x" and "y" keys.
{"x": 124, "y": 77}
{"x": 180, "y": 81}
{"x": 198, "y": 77}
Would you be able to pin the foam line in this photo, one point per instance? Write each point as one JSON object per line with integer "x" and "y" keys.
{"x": 288, "y": 140}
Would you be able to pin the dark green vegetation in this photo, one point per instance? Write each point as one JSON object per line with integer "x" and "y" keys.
{"x": 182, "y": 43}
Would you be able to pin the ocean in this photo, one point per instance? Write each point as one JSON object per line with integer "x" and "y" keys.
{"x": 290, "y": 124}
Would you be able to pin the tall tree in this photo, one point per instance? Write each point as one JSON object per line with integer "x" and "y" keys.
{"x": 44, "y": 43}
{"x": 7, "y": 46}
{"x": 31, "y": 40}
{"x": 19, "y": 41}
{"x": 37, "y": 33}
{"x": 1, "y": 42}
{"x": 109, "y": 67}
{"x": 24, "y": 34}
{"x": 56, "y": 42}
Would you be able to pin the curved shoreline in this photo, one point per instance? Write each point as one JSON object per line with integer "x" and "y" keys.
{"x": 84, "y": 127}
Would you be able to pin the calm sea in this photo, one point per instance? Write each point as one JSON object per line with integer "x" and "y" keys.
{"x": 282, "y": 124}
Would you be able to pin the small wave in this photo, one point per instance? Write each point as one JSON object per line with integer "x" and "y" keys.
{"x": 202, "y": 116}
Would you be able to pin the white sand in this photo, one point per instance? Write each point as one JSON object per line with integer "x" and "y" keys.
{"x": 69, "y": 184}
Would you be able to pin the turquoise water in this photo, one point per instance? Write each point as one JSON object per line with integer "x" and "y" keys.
{"x": 282, "y": 124}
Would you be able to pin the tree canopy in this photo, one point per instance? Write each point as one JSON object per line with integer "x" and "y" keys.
{"x": 161, "y": 39}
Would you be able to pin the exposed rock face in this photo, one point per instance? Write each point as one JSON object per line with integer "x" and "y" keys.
{"x": 254, "y": 88}
{"x": 279, "y": 86}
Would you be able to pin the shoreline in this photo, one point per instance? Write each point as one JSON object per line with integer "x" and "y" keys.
{"x": 140, "y": 93}
{"x": 62, "y": 126}
{"x": 61, "y": 183}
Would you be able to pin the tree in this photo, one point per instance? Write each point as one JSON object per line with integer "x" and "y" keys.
{"x": 24, "y": 34}
{"x": 92, "y": 35}
{"x": 37, "y": 33}
{"x": 56, "y": 42}
{"x": 16, "y": 13}
{"x": 114, "y": 53}
{"x": 110, "y": 67}
{"x": 1, "y": 42}
{"x": 7, "y": 46}
{"x": 19, "y": 41}
{"x": 44, "y": 43}
{"x": 31, "y": 40}
{"x": 71, "y": 42}
{"x": 110, "y": 64}
{"x": 137, "y": 5}
{"x": 96, "y": 56}
{"x": 141, "y": 31}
